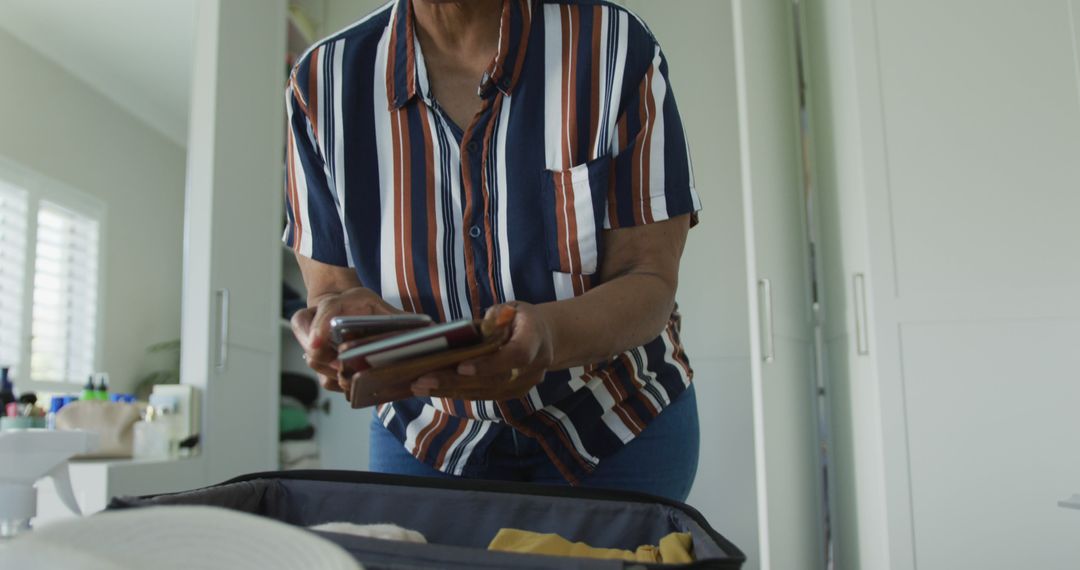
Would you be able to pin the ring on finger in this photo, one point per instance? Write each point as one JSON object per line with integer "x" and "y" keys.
{"x": 514, "y": 373}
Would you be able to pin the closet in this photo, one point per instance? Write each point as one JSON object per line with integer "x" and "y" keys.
{"x": 948, "y": 163}
{"x": 230, "y": 323}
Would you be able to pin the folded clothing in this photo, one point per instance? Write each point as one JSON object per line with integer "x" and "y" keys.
{"x": 300, "y": 386}
{"x": 675, "y": 548}
{"x": 299, "y": 454}
{"x": 290, "y": 451}
{"x": 383, "y": 531}
{"x": 306, "y": 433}
{"x": 292, "y": 418}
{"x": 302, "y": 463}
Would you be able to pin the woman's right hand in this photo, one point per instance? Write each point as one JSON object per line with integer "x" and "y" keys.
{"x": 311, "y": 326}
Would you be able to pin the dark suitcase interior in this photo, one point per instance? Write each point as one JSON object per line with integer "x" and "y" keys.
{"x": 459, "y": 518}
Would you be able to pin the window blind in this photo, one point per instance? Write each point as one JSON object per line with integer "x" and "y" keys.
{"x": 65, "y": 295}
{"x": 13, "y": 224}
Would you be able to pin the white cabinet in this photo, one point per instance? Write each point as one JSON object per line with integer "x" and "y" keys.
{"x": 947, "y": 143}
{"x": 992, "y": 436}
{"x": 232, "y": 263}
{"x": 787, "y": 438}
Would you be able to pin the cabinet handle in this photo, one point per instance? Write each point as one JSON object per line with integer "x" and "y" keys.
{"x": 862, "y": 335}
{"x": 768, "y": 342}
{"x": 223, "y": 328}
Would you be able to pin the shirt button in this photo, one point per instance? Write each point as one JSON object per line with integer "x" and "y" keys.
{"x": 473, "y": 146}
{"x": 474, "y": 232}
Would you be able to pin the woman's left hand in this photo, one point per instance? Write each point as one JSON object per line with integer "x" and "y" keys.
{"x": 506, "y": 374}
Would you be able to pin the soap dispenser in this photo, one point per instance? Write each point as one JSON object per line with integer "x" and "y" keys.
{"x": 7, "y": 390}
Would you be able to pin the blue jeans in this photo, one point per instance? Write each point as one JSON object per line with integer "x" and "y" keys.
{"x": 662, "y": 460}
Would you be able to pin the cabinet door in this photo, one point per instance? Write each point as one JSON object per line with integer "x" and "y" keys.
{"x": 993, "y": 436}
{"x": 788, "y": 438}
{"x": 975, "y": 240}
{"x": 950, "y": 135}
{"x": 980, "y": 105}
{"x": 839, "y": 45}
{"x": 232, "y": 262}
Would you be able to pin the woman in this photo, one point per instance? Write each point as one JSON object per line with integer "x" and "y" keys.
{"x": 446, "y": 157}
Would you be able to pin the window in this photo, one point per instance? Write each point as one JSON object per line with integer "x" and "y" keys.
{"x": 13, "y": 218}
{"x": 49, "y": 272}
{"x": 65, "y": 295}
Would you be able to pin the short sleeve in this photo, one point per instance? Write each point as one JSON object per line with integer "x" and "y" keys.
{"x": 652, "y": 176}
{"x": 313, "y": 222}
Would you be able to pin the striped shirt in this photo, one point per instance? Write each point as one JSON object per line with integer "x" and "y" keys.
{"x": 578, "y": 133}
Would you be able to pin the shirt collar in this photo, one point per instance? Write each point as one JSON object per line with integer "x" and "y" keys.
{"x": 406, "y": 75}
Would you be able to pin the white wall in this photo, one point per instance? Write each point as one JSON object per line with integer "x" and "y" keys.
{"x": 59, "y": 127}
{"x": 338, "y": 14}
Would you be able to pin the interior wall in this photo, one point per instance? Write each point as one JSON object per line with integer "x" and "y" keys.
{"x": 59, "y": 127}
{"x": 339, "y": 14}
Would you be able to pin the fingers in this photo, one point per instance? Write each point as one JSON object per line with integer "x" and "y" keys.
{"x": 344, "y": 382}
{"x": 499, "y": 319}
{"x": 431, "y": 382}
{"x": 358, "y": 301}
{"x": 326, "y": 309}
{"x": 328, "y": 369}
{"x": 301, "y": 325}
{"x": 330, "y": 383}
{"x": 487, "y": 325}
{"x": 515, "y": 354}
{"x": 528, "y": 348}
{"x": 311, "y": 326}
{"x": 519, "y": 352}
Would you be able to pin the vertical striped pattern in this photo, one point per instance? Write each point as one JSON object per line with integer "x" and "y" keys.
{"x": 386, "y": 151}
{"x": 578, "y": 133}
{"x": 335, "y": 170}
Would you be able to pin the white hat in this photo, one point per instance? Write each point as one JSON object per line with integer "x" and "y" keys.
{"x": 166, "y": 538}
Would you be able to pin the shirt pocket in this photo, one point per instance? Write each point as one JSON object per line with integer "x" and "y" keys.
{"x": 573, "y": 203}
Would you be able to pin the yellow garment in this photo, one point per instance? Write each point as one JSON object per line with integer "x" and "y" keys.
{"x": 674, "y": 548}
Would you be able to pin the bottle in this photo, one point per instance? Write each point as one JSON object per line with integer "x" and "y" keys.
{"x": 166, "y": 408}
{"x": 88, "y": 392}
{"x": 151, "y": 437}
{"x": 102, "y": 390}
{"x": 54, "y": 406}
{"x": 7, "y": 390}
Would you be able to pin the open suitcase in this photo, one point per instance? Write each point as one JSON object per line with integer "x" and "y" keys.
{"x": 460, "y": 517}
